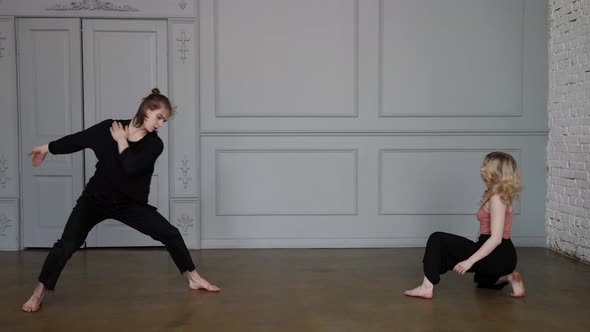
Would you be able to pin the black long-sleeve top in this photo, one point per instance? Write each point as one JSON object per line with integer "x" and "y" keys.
{"x": 119, "y": 176}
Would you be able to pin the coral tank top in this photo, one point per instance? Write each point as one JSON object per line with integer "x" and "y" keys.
{"x": 485, "y": 222}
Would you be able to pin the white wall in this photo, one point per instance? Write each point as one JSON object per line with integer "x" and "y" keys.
{"x": 568, "y": 179}
{"x": 332, "y": 123}
{"x": 341, "y": 123}
{"x": 182, "y": 50}
{"x": 9, "y": 174}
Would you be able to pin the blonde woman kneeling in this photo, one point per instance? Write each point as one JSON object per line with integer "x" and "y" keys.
{"x": 493, "y": 257}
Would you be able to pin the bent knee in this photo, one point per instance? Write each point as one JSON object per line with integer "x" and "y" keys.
{"x": 171, "y": 234}
{"x": 66, "y": 247}
{"x": 436, "y": 236}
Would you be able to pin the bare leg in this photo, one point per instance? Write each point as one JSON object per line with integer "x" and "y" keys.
{"x": 195, "y": 281}
{"x": 34, "y": 302}
{"x": 424, "y": 291}
{"x": 515, "y": 280}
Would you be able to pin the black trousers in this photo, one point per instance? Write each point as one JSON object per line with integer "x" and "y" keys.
{"x": 444, "y": 251}
{"x": 90, "y": 210}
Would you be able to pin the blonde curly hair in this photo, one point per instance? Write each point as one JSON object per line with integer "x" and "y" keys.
{"x": 501, "y": 176}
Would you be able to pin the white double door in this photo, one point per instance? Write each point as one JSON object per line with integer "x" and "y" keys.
{"x": 74, "y": 73}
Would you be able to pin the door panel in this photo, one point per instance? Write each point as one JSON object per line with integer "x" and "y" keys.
{"x": 50, "y": 96}
{"x": 123, "y": 61}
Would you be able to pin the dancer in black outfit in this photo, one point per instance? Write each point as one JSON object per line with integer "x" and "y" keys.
{"x": 493, "y": 257}
{"x": 126, "y": 151}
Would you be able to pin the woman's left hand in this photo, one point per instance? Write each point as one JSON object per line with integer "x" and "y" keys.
{"x": 119, "y": 132}
{"x": 463, "y": 267}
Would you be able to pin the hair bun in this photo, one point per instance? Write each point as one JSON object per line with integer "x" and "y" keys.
{"x": 156, "y": 91}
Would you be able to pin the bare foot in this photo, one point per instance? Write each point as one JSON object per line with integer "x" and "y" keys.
{"x": 34, "y": 302}
{"x": 425, "y": 290}
{"x": 517, "y": 284}
{"x": 195, "y": 281}
{"x": 420, "y": 291}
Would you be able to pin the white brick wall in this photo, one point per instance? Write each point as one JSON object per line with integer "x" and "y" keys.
{"x": 568, "y": 159}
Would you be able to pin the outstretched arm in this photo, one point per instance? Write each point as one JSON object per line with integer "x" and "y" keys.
{"x": 498, "y": 213}
{"x": 68, "y": 144}
{"x": 81, "y": 140}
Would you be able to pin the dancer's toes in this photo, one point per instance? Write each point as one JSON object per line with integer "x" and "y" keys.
{"x": 419, "y": 291}
{"x": 200, "y": 283}
{"x": 210, "y": 287}
{"x": 213, "y": 288}
{"x": 32, "y": 305}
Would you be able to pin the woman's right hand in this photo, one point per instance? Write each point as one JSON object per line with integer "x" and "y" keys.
{"x": 39, "y": 153}
{"x": 119, "y": 132}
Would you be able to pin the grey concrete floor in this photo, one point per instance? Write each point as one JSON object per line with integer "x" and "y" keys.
{"x": 288, "y": 290}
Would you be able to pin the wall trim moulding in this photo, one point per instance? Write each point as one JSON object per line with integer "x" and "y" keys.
{"x": 361, "y": 242}
{"x": 4, "y": 172}
{"x": 185, "y": 168}
{"x": 353, "y": 212}
{"x": 93, "y": 5}
{"x": 3, "y": 39}
{"x": 228, "y": 114}
{"x": 214, "y": 133}
{"x": 103, "y": 9}
{"x": 518, "y": 112}
{"x": 382, "y": 212}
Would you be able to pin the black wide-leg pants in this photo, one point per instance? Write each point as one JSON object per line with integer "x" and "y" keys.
{"x": 444, "y": 251}
{"x": 90, "y": 210}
